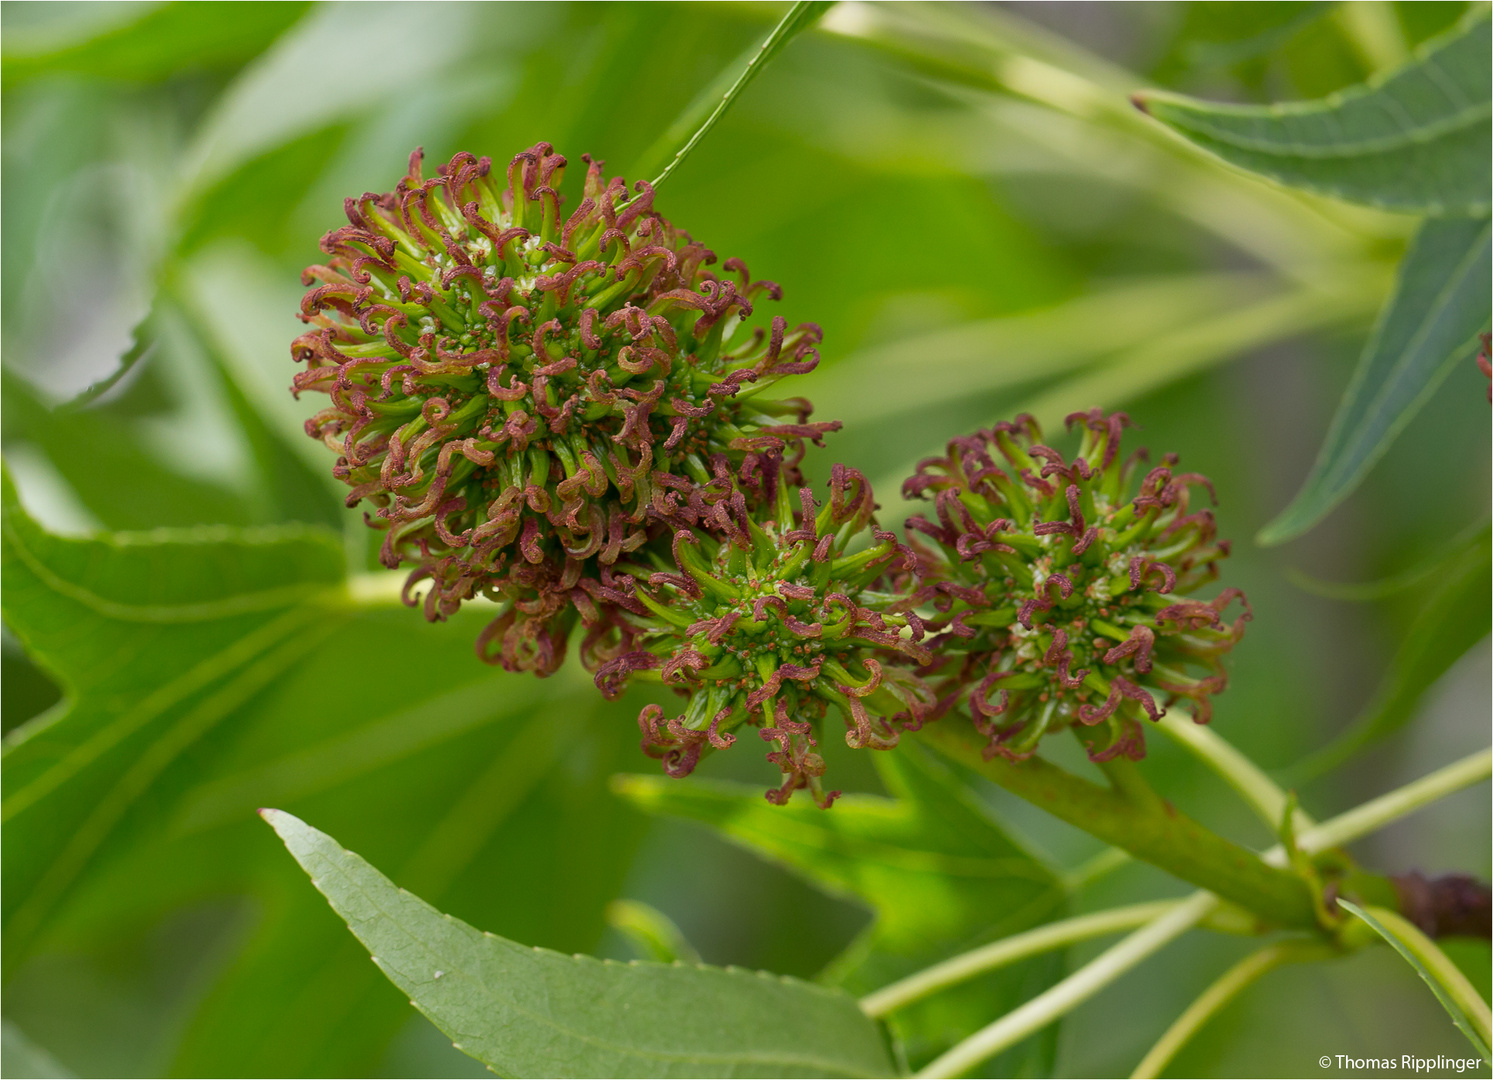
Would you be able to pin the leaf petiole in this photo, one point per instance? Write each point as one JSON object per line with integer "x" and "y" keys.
{"x": 1075, "y": 989}
{"x": 1263, "y": 794}
{"x": 1377, "y": 813}
{"x": 999, "y": 954}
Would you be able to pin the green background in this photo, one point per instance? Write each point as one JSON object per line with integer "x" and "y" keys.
{"x": 975, "y": 236}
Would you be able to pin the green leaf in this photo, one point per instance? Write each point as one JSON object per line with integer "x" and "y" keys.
{"x": 209, "y": 672}
{"x": 534, "y": 1012}
{"x": 1446, "y": 982}
{"x": 800, "y": 17}
{"x": 940, "y": 874}
{"x": 1416, "y": 140}
{"x": 1455, "y": 616}
{"x": 1429, "y": 326}
{"x": 154, "y": 640}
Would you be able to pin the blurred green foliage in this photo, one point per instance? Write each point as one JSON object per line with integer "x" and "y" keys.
{"x": 965, "y": 201}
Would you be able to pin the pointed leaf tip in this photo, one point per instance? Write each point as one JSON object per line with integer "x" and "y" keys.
{"x": 1427, "y": 329}
{"x": 1462, "y": 1002}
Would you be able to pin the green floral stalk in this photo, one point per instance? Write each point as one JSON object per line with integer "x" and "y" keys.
{"x": 516, "y": 390}
{"x": 1060, "y": 586}
{"x": 772, "y": 624}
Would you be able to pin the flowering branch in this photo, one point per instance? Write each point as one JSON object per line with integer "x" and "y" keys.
{"x": 1088, "y": 980}
{"x": 1161, "y": 835}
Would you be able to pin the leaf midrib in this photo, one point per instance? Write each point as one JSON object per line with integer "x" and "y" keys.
{"x": 1422, "y": 133}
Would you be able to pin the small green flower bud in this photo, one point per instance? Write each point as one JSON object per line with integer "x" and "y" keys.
{"x": 779, "y": 619}
{"x": 513, "y": 389}
{"x": 1059, "y": 586}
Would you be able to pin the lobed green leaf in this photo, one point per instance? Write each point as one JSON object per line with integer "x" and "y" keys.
{"x": 210, "y": 671}
{"x": 154, "y": 638}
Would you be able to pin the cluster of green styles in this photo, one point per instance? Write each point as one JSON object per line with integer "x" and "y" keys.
{"x": 567, "y": 416}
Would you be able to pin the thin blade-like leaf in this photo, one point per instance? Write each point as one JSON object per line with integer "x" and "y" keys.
{"x": 1446, "y": 982}
{"x": 533, "y": 1012}
{"x": 1417, "y": 140}
{"x": 800, "y": 17}
{"x": 1429, "y": 326}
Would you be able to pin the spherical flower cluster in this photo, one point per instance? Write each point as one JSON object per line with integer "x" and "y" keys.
{"x": 521, "y": 394}
{"x": 563, "y": 414}
{"x": 1059, "y": 587}
{"x": 771, "y": 625}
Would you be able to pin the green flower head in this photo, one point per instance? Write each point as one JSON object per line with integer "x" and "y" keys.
{"x": 1061, "y": 587}
{"x": 513, "y": 388}
{"x": 771, "y": 622}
